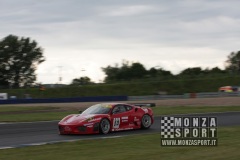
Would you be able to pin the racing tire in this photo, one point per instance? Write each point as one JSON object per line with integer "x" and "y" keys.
{"x": 104, "y": 126}
{"x": 146, "y": 121}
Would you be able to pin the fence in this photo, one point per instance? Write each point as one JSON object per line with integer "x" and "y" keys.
{"x": 66, "y": 100}
{"x": 122, "y": 98}
{"x": 186, "y": 95}
{"x": 154, "y": 97}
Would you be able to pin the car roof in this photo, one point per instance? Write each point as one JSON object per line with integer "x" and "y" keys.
{"x": 115, "y": 103}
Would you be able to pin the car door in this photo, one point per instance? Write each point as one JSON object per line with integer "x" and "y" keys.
{"x": 119, "y": 118}
{"x": 131, "y": 114}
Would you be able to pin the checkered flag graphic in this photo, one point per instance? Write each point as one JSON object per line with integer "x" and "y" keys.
{"x": 167, "y": 127}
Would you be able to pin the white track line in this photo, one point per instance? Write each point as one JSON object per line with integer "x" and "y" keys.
{"x": 54, "y": 142}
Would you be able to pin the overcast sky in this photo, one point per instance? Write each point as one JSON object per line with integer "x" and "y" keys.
{"x": 86, "y": 35}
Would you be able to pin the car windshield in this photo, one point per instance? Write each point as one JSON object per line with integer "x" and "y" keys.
{"x": 98, "y": 109}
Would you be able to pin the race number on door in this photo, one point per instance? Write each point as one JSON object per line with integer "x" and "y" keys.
{"x": 116, "y": 122}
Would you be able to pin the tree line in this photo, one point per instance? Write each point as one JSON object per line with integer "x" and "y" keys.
{"x": 20, "y": 57}
{"x": 138, "y": 71}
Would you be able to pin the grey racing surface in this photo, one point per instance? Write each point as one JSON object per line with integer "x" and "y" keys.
{"x": 37, "y": 133}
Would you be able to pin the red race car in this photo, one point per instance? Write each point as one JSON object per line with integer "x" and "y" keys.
{"x": 107, "y": 117}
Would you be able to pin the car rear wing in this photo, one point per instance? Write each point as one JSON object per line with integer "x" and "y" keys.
{"x": 144, "y": 104}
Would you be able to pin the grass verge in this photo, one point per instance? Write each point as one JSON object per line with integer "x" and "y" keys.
{"x": 26, "y": 108}
{"x": 28, "y": 114}
{"x": 138, "y": 147}
{"x": 193, "y": 109}
{"x": 32, "y": 117}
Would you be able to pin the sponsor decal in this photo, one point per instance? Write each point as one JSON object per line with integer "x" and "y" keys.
{"x": 145, "y": 110}
{"x": 3, "y": 96}
{"x": 90, "y": 118}
{"x": 93, "y": 119}
{"x": 107, "y": 106}
{"x": 122, "y": 129}
{"x": 66, "y": 128}
{"x": 88, "y": 124}
{"x": 136, "y": 119}
{"x": 189, "y": 131}
{"x": 124, "y": 119}
{"x": 131, "y": 124}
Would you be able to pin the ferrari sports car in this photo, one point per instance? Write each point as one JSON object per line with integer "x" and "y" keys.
{"x": 107, "y": 117}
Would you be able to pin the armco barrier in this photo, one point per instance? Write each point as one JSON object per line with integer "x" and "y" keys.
{"x": 208, "y": 94}
{"x": 154, "y": 97}
{"x": 217, "y": 94}
{"x": 66, "y": 100}
{"x": 121, "y": 98}
{"x": 186, "y": 95}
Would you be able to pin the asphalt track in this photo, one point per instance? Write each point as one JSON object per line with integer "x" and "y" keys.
{"x": 37, "y": 133}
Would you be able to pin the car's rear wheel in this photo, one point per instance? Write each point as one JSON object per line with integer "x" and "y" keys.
{"x": 146, "y": 121}
{"x": 104, "y": 126}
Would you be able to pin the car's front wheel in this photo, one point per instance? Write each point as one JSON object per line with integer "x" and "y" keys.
{"x": 146, "y": 121}
{"x": 104, "y": 126}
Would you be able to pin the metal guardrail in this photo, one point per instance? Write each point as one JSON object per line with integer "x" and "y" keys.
{"x": 122, "y": 98}
{"x": 186, "y": 95}
{"x": 154, "y": 97}
{"x": 217, "y": 94}
{"x": 66, "y": 100}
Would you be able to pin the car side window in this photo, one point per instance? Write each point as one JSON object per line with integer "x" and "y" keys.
{"x": 128, "y": 108}
{"x": 119, "y": 109}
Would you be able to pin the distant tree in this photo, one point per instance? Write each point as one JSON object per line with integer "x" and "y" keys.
{"x": 3, "y": 83}
{"x": 153, "y": 72}
{"x": 111, "y": 72}
{"x": 160, "y": 72}
{"x": 164, "y": 73}
{"x": 137, "y": 70}
{"x": 195, "y": 71}
{"x": 215, "y": 70}
{"x": 81, "y": 81}
{"x": 126, "y": 72}
{"x": 19, "y": 58}
{"x": 198, "y": 71}
{"x": 233, "y": 62}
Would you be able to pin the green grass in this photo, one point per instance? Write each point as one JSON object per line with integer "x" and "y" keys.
{"x": 31, "y": 117}
{"x": 193, "y": 109}
{"x": 16, "y": 114}
{"x": 25, "y": 108}
{"x": 31, "y": 113}
{"x": 137, "y": 147}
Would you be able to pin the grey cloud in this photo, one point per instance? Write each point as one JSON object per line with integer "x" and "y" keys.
{"x": 138, "y": 27}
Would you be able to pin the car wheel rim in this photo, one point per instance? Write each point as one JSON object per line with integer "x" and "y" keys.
{"x": 105, "y": 126}
{"x": 146, "y": 121}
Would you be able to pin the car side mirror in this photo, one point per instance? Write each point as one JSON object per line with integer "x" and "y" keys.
{"x": 80, "y": 112}
{"x": 136, "y": 109}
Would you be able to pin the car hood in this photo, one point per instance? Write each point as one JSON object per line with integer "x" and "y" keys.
{"x": 79, "y": 118}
